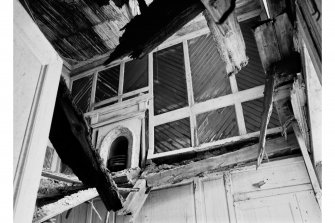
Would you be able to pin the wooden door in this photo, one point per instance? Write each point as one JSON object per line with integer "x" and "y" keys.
{"x": 37, "y": 69}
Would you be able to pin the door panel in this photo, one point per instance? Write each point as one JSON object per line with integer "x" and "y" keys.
{"x": 280, "y": 208}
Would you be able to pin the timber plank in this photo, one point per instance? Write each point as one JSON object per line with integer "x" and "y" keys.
{"x": 246, "y": 154}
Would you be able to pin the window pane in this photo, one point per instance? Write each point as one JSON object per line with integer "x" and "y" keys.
{"x": 81, "y": 92}
{"x": 107, "y": 84}
{"x": 170, "y": 91}
{"x": 172, "y": 136}
{"x": 253, "y": 74}
{"x": 208, "y": 70}
{"x": 218, "y": 124}
{"x": 252, "y": 112}
{"x": 135, "y": 75}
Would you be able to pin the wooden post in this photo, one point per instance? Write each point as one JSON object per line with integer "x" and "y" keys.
{"x": 308, "y": 162}
{"x": 228, "y": 36}
{"x": 37, "y": 69}
{"x": 275, "y": 45}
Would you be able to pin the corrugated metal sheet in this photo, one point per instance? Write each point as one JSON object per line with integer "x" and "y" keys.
{"x": 218, "y": 124}
{"x": 135, "y": 75}
{"x": 172, "y": 136}
{"x": 107, "y": 84}
{"x": 252, "y": 111}
{"x": 253, "y": 74}
{"x": 79, "y": 30}
{"x": 169, "y": 80}
{"x": 81, "y": 92}
{"x": 208, "y": 70}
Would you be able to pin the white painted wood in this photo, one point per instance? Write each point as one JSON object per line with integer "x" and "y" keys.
{"x": 273, "y": 177}
{"x": 199, "y": 200}
{"x": 238, "y": 107}
{"x": 37, "y": 70}
{"x": 309, "y": 209}
{"x": 94, "y": 87}
{"x": 215, "y": 144}
{"x": 272, "y": 192}
{"x": 174, "y": 204}
{"x": 215, "y": 201}
{"x": 66, "y": 203}
{"x": 229, "y": 196}
{"x": 190, "y": 95}
{"x": 281, "y": 208}
{"x": 171, "y": 116}
{"x": 151, "y": 107}
{"x": 309, "y": 165}
{"x": 314, "y": 100}
{"x": 121, "y": 80}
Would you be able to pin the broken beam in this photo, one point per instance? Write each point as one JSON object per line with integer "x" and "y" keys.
{"x": 250, "y": 153}
{"x": 135, "y": 201}
{"x": 61, "y": 177}
{"x": 308, "y": 162}
{"x": 227, "y": 34}
{"x": 70, "y": 137}
{"x": 51, "y": 210}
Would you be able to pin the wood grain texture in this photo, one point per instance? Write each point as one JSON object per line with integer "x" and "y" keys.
{"x": 243, "y": 155}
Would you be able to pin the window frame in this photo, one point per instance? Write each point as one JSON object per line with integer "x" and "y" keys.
{"x": 236, "y": 98}
{"x": 117, "y": 99}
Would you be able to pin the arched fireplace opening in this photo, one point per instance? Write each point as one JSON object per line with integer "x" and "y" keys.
{"x": 118, "y": 154}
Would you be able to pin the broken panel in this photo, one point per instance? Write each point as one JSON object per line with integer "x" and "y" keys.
{"x": 217, "y": 124}
{"x": 252, "y": 111}
{"x": 107, "y": 84}
{"x": 49, "y": 153}
{"x": 253, "y": 74}
{"x": 135, "y": 75}
{"x": 208, "y": 70}
{"x": 170, "y": 90}
{"x": 172, "y": 136}
{"x": 81, "y": 92}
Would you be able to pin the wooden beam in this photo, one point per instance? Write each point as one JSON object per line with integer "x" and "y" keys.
{"x": 250, "y": 153}
{"x": 227, "y": 35}
{"x": 308, "y": 162}
{"x": 135, "y": 201}
{"x": 50, "y": 210}
{"x": 70, "y": 137}
{"x": 61, "y": 177}
{"x": 275, "y": 45}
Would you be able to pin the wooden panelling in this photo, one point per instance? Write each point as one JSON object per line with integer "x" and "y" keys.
{"x": 217, "y": 124}
{"x": 172, "y": 136}
{"x": 175, "y": 204}
{"x": 252, "y": 74}
{"x": 81, "y": 93}
{"x": 270, "y": 177}
{"x": 252, "y": 111}
{"x": 107, "y": 84}
{"x": 169, "y": 79}
{"x": 135, "y": 75}
{"x": 77, "y": 214}
{"x": 215, "y": 201}
{"x": 207, "y": 69}
{"x": 78, "y": 30}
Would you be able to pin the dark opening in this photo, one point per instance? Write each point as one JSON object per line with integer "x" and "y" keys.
{"x": 118, "y": 154}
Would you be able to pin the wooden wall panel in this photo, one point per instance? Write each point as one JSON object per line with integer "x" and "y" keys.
{"x": 215, "y": 201}
{"x": 286, "y": 196}
{"x": 175, "y": 204}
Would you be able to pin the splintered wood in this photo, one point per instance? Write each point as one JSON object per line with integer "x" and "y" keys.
{"x": 275, "y": 45}
{"x": 64, "y": 204}
{"x": 227, "y": 35}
